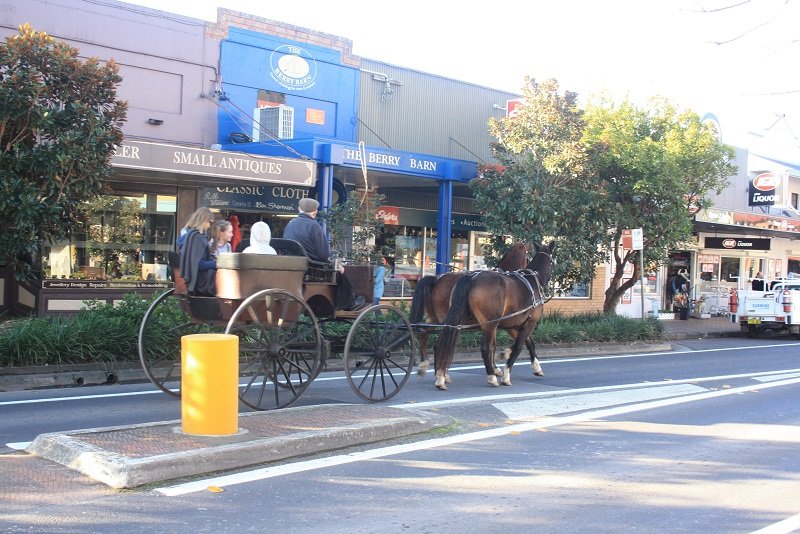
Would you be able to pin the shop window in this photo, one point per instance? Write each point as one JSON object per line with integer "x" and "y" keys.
{"x": 579, "y": 291}
{"x": 429, "y": 254}
{"x": 709, "y": 267}
{"x": 753, "y": 266}
{"x": 729, "y": 269}
{"x": 793, "y": 270}
{"x": 459, "y": 251}
{"x": 125, "y": 238}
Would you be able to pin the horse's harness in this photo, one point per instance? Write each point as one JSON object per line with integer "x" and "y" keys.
{"x": 529, "y": 279}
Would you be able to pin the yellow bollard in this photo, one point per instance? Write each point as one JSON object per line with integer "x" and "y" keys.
{"x": 210, "y": 384}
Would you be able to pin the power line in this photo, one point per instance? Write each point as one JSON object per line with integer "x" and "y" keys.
{"x": 275, "y": 139}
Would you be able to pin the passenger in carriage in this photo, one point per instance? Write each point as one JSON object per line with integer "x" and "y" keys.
{"x": 305, "y": 230}
{"x": 221, "y": 235}
{"x": 260, "y": 236}
{"x": 198, "y": 267}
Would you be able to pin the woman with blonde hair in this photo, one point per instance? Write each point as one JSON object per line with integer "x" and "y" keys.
{"x": 198, "y": 267}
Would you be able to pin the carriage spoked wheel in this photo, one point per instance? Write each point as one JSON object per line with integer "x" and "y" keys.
{"x": 160, "y": 342}
{"x": 379, "y": 353}
{"x": 279, "y": 348}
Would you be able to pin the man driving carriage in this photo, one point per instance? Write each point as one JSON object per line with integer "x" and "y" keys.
{"x": 305, "y": 230}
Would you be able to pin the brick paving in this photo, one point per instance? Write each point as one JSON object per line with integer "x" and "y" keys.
{"x": 700, "y": 328}
{"x": 152, "y": 440}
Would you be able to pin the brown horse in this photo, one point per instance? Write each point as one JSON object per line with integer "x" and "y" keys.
{"x": 432, "y": 298}
{"x": 492, "y": 300}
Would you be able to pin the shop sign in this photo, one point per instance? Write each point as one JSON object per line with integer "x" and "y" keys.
{"x": 389, "y": 215}
{"x": 513, "y": 106}
{"x": 293, "y": 67}
{"x": 755, "y": 220}
{"x": 216, "y": 163}
{"x": 734, "y": 243}
{"x": 384, "y": 159}
{"x": 764, "y": 189}
{"x": 103, "y": 284}
{"x": 428, "y": 219}
{"x": 468, "y": 222}
{"x": 266, "y": 198}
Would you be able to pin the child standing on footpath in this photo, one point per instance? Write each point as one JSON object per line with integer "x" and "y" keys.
{"x": 380, "y": 276}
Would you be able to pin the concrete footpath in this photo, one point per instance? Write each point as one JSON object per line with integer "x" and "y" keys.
{"x": 131, "y": 456}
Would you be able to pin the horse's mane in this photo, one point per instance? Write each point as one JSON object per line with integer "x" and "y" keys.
{"x": 516, "y": 257}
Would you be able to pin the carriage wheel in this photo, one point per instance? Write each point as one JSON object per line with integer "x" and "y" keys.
{"x": 163, "y": 325}
{"x": 279, "y": 348}
{"x": 379, "y": 353}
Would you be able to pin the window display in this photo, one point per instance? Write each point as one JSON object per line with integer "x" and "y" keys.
{"x": 125, "y": 238}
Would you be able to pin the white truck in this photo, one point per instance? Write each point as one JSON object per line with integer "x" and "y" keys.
{"x": 776, "y": 309}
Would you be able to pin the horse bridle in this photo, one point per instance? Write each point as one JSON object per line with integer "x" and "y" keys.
{"x": 546, "y": 296}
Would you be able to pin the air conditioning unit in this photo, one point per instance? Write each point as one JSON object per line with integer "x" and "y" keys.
{"x": 273, "y": 122}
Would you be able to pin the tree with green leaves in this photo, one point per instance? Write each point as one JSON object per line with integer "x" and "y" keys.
{"x": 656, "y": 165}
{"x": 584, "y": 177}
{"x": 353, "y": 225}
{"x": 542, "y": 189}
{"x": 59, "y": 123}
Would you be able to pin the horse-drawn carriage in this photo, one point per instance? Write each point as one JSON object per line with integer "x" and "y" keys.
{"x": 282, "y": 308}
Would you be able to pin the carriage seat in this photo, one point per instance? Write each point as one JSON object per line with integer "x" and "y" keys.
{"x": 240, "y": 275}
{"x": 315, "y": 272}
{"x": 318, "y": 271}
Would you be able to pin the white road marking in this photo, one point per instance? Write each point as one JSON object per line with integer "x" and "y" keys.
{"x": 382, "y": 452}
{"x": 547, "y": 362}
{"x": 79, "y": 397}
{"x": 775, "y": 377}
{"x": 527, "y": 409}
{"x": 554, "y": 392}
{"x": 788, "y": 525}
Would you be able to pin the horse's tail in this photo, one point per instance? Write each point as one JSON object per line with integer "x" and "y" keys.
{"x": 422, "y": 294}
{"x": 445, "y": 346}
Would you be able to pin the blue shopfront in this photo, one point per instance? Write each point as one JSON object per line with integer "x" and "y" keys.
{"x": 298, "y": 100}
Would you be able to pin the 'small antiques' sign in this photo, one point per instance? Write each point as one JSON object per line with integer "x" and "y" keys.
{"x": 734, "y": 243}
{"x": 218, "y": 163}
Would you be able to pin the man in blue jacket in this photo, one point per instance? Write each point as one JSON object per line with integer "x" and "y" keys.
{"x": 305, "y": 230}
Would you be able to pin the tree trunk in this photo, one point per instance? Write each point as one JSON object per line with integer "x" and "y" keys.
{"x": 617, "y": 288}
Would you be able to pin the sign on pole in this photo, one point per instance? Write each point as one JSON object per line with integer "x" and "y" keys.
{"x": 637, "y": 239}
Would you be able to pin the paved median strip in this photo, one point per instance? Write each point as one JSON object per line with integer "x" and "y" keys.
{"x": 131, "y": 456}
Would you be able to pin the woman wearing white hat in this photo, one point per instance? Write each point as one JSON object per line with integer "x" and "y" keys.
{"x": 260, "y": 236}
